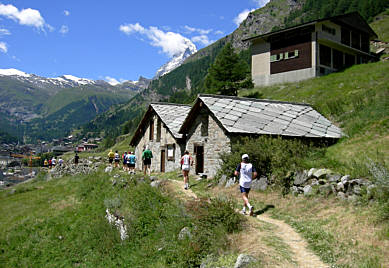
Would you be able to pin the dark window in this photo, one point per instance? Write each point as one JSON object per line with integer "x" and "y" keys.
{"x": 349, "y": 60}
{"x": 337, "y": 59}
{"x": 355, "y": 40}
{"x": 159, "y": 130}
{"x": 345, "y": 36}
{"x": 151, "y": 136}
{"x": 328, "y": 29}
{"x": 204, "y": 126}
{"x": 325, "y": 55}
{"x": 322, "y": 70}
{"x": 365, "y": 44}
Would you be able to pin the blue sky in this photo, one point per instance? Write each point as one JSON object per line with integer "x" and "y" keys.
{"x": 111, "y": 40}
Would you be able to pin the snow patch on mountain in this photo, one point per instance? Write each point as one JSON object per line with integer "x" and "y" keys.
{"x": 12, "y": 71}
{"x": 81, "y": 81}
{"x": 177, "y": 59}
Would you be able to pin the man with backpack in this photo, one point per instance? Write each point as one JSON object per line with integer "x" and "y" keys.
{"x": 117, "y": 159}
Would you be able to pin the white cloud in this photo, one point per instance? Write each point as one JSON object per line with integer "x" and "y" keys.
{"x": 202, "y": 39}
{"x": 171, "y": 43}
{"x": 112, "y": 81}
{"x": 64, "y": 29}
{"x": 66, "y": 12}
{"x": 242, "y": 16}
{"x": 4, "y": 31}
{"x": 3, "y": 47}
{"x": 131, "y": 28}
{"x": 28, "y": 17}
{"x": 219, "y": 32}
{"x": 198, "y": 30}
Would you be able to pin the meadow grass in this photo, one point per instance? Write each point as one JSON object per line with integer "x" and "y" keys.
{"x": 62, "y": 222}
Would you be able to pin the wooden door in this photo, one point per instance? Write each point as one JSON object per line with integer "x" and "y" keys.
{"x": 199, "y": 152}
{"x": 163, "y": 160}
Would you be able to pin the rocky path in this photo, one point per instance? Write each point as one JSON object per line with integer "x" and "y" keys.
{"x": 302, "y": 256}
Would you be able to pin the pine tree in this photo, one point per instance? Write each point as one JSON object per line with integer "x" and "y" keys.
{"x": 228, "y": 73}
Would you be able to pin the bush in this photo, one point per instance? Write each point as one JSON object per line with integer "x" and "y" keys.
{"x": 380, "y": 176}
{"x": 270, "y": 156}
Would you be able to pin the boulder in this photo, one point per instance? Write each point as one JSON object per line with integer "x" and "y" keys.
{"x": 259, "y": 184}
{"x": 294, "y": 190}
{"x": 357, "y": 189}
{"x": 108, "y": 169}
{"x": 223, "y": 180}
{"x": 325, "y": 189}
{"x": 340, "y": 187}
{"x": 345, "y": 179}
{"x": 300, "y": 177}
{"x": 322, "y": 173}
{"x": 184, "y": 233}
{"x": 334, "y": 177}
{"x": 98, "y": 158}
{"x": 341, "y": 196}
{"x": 230, "y": 182}
{"x": 155, "y": 184}
{"x": 311, "y": 171}
{"x": 314, "y": 182}
{"x": 308, "y": 190}
{"x": 244, "y": 260}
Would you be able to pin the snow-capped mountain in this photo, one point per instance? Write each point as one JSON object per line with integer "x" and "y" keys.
{"x": 68, "y": 81}
{"x": 39, "y": 81}
{"x": 176, "y": 60}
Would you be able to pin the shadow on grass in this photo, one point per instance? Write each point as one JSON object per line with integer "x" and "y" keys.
{"x": 261, "y": 211}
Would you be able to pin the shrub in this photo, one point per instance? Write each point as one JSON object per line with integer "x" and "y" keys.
{"x": 270, "y": 156}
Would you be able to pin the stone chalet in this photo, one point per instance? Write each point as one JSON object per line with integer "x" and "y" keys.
{"x": 311, "y": 49}
{"x": 159, "y": 130}
{"x": 215, "y": 122}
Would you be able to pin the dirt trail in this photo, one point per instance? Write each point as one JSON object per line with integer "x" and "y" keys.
{"x": 302, "y": 256}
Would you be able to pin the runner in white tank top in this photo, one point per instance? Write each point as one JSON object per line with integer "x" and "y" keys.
{"x": 186, "y": 162}
{"x": 246, "y": 173}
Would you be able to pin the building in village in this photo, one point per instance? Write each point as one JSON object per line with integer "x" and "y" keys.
{"x": 311, "y": 49}
{"x": 215, "y": 122}
{"x": 159, "y": 131}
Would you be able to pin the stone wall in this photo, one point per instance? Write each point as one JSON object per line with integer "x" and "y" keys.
{"x": 157, "y": 146}
{"x": 206, "y": 132}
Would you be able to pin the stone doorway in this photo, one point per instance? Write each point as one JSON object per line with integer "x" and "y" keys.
{"x": 199, "y": 153}
{"x": 163, "y": 160}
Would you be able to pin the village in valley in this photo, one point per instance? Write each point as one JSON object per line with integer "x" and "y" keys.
{"x": 296, "y": 110}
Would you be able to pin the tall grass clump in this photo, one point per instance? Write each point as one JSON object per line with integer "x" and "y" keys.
{"x": 269, "y": 155}
{"x": 380, "y": 176}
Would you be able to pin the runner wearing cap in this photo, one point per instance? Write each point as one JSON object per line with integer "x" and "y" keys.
{"x": 247, "y": 173}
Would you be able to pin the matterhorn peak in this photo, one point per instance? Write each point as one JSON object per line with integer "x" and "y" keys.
{"x": 177, "y": 59}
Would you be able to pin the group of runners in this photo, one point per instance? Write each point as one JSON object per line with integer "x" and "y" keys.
{"x": 245, "y": 170}
{"x": 128, "y": 160}
{"x": 52, "y": 162}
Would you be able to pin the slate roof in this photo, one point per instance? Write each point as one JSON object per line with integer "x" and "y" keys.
{"x": 172, "y": 115}
{"x": 255, "y": 116}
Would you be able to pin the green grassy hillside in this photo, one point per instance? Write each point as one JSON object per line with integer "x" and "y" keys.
{"x": 356, "y": 100}
{"x": 61, "y": 223}
{"x": 380, "y": 25}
